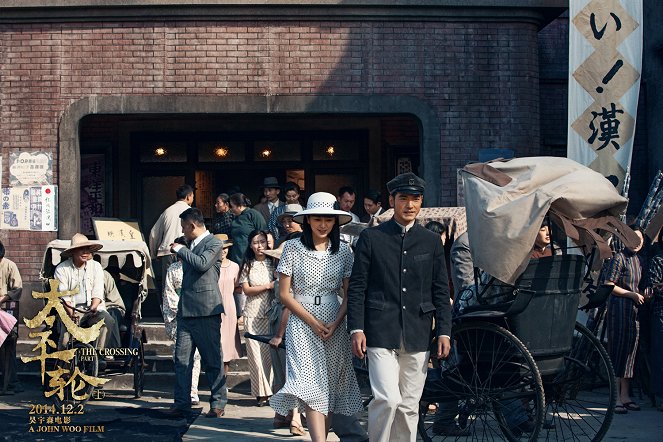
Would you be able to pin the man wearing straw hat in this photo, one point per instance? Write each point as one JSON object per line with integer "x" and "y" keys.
{"x": 398, "y": 284}
{"x": 80, "y": 271}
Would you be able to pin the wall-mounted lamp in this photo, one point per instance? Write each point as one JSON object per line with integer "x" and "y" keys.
{"x": 330, "y": 150}
{"x": 160, "y": 151}
{"x": 221, "y": 151}
{"x": 266, "y": 152}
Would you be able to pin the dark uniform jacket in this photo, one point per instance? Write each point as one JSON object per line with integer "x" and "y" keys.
{"x": 200, "y": 295}
{"x": 398, "y": 282}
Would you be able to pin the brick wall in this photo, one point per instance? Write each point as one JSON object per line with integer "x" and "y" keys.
{"x": 554, "y": 71}
{"x": 480, "y": 78}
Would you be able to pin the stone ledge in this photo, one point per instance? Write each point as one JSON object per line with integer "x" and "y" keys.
{"x": 33, "y": 11}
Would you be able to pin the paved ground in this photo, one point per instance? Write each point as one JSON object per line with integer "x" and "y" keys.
{"x": 128, "y": 419}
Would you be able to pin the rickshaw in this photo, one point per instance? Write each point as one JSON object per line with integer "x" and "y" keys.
{"x": 129, "y": 264}
{"x": 521, "y": 367}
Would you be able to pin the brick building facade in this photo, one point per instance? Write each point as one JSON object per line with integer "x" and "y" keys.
{"x": 461, "y": 75}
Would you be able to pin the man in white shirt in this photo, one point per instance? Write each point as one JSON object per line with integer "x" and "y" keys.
{"x": 80, "y": 271}
{"x": 168, "y": 227}
{"x": 346, "y": 200}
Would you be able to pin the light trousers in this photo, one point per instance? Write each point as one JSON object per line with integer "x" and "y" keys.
{"x": 397, "y": 380}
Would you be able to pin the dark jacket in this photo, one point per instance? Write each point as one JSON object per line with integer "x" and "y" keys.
{"x": 200, "y": 295}
{"x": 242, "y": 226}
{"x": 398, "y": 282}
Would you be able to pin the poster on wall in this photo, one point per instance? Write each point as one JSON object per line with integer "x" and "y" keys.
{"x": 30, "y": 208}
{"x": 30, "y": 168}
{"x": 93, "y": 190}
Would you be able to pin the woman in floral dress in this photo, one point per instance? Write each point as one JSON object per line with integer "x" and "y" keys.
{"x": 257, "y": 280}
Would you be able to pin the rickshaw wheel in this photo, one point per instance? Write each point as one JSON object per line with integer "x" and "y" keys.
{"x": 495, "y": 380}
{"x": 581, "y": 398}
{"x": 89, "y": 366}
{"x": 139, "y": 370}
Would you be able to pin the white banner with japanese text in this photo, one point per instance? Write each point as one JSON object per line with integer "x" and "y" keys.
{"x": 605, "y": 62}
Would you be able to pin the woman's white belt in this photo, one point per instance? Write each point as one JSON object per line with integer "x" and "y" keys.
{"x": 317, "y": 300}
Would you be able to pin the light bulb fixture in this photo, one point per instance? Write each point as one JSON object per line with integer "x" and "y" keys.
{"x": 160, "y": 151}
{"x": 266, "y": 152}
{"x": 330, "y": 150}
{"x": 221, "y": 151}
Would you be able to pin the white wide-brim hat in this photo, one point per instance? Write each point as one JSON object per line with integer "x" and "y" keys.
{"x": 322, "y": 204}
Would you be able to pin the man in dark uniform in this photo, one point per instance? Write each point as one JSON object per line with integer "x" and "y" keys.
{"x": 398, "y": 283}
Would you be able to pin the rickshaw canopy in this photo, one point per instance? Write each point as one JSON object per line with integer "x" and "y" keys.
{"x": 507, "y": 201}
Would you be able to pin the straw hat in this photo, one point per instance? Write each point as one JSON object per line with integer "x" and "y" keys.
{"x": 322, "y": 204}
{"x": 290, "y": 210}
{"x": 276, "y": 253}
{"x": 224, "y": 238}
{"x": 79, "y": 241}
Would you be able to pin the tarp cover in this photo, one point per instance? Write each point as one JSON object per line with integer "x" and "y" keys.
{"x": 506, "y": 202}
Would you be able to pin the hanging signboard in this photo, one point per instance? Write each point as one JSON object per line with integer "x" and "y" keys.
{"x": 605, "y": 62}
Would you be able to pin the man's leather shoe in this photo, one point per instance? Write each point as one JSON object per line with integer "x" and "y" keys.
{"x": 175, "y": 412}
{"x": 215, "y": 412}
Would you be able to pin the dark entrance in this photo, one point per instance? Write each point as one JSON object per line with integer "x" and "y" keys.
{"x": 144, "y": 158}
{"x": 238, "y": 161}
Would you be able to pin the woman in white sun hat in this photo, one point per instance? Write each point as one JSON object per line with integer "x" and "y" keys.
{"x": 317, "y": 266}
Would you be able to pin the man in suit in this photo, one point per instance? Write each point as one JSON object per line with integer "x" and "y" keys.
{"x": 270, "y": 190}
{"x": 398, "y": 284}
{"x": 346, "y": 200}
{"x": 199, "y": 316}
{"x": 372, "y": 206}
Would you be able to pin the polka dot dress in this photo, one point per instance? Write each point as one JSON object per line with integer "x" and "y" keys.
{"x": 319, "y": 374}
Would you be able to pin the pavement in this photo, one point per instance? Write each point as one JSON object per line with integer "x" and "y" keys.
{"x": 125, "y": 418}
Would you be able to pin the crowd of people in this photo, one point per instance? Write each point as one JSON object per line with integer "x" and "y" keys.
{"x": 286, "y": 270}
{"x": 294, "y": 278}
{"x": 300, "y": 281}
